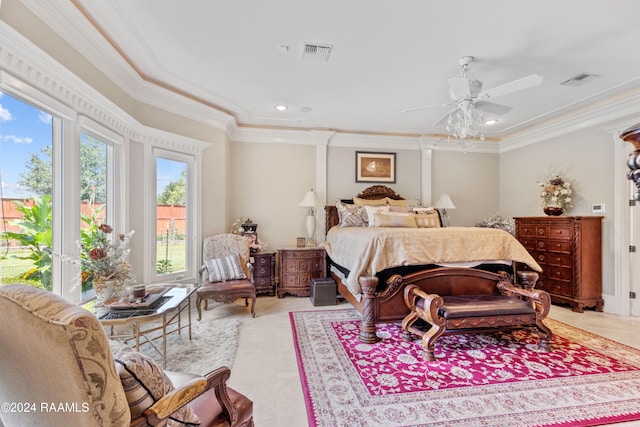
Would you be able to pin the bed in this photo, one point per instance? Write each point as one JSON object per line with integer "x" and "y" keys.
{"x": 373, "y": 264}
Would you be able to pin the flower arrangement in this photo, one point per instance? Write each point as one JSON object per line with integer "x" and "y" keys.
{"x": 256, "y": 245}
{"x": 556, "y": 191}
{"x": 103, "y": 258}
{"x": 498, "y": 221}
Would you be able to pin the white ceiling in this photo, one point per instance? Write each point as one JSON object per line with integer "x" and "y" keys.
{"x": 245, "y": 56}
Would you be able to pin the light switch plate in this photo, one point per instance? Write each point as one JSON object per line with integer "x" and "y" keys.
{"x": 597, "y": 208}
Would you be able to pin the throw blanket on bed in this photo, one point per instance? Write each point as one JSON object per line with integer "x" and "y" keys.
{"x": 367, "y": 251}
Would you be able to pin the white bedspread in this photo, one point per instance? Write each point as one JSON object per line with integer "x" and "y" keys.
{"x": 367, "y": 251}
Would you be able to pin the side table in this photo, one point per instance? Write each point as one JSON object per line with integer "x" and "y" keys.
{"x": 264, "y": 267}
{"x": 296, "y": 268}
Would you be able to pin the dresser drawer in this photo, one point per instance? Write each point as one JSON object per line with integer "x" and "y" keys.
{"x": 262, "y": 281}
{"x": 560, "y": 232}
{"x": 560, "y": 246}
{"x": 297, "y": 267}
{"x": 526, "y": 230}
{"x": 559, "y": 288}
{"x": 560, "y": 273}
{"x": 528, "y": 242}
{"x": 262, "y": 270}
{"x": 561, "y": 259}
{"x": 540, "y": 257}
{"x": 263, "y": 273}
{"x": 293, "y": 254}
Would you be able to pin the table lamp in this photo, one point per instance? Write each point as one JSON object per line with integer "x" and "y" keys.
{"x": 444, "y": 203}
{"x": 310, "y": 200}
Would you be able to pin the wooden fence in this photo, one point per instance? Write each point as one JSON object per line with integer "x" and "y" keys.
{"x": 169, "y": 219}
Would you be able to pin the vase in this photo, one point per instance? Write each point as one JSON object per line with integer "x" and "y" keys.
{"x": 104, "y": 290}
{"x": 553, "y": 210}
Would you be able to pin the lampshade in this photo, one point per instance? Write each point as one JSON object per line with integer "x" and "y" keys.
{"x": 444, "y": 202}
{"x": 309, "y": 200}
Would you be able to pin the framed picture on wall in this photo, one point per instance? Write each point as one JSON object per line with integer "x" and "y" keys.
{"x": 375, "y": 167}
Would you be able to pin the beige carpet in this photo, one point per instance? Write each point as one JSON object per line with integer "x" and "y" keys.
{"x": 214, "y": 344}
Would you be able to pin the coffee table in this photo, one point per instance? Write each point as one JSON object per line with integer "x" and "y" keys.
{"x": 165, "y": 316}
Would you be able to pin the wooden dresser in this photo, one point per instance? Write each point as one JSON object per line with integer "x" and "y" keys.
{"x": 296, "y": 268}
{"x": 569, "y": 250}
{"x": 264, "y": 267}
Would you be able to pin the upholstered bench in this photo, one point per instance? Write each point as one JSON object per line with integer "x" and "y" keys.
{"x": 510, "y": 308}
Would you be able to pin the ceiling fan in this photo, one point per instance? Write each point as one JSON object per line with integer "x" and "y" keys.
{"x": 467, "y": 94}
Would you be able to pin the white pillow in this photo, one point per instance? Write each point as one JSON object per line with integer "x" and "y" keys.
{"x": 372, "y": 210}
{"x": 225, "y": 268}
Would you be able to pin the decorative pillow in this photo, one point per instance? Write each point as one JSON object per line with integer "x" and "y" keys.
{"x": 403, "y": 209}
{"x": 351, "y": 215}
{"x": 397, "y": 220}
{"x": 144, "y": 383}
{"x": 372, "y": 210}
{"x": 428, "y": 220}
{"x": 365, "y": 202}
{"x": 429, "y": 209}
{"x": 394, "y": 202}
{"x": 225, "y": 268}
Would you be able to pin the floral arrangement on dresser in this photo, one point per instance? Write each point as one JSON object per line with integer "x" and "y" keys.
{"x": 497, "y": 221}
{"x": 249, "y": 229}
{"x": 556, "y": 192}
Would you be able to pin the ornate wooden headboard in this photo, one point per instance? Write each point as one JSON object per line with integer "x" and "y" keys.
{"x": 370, "y": 193}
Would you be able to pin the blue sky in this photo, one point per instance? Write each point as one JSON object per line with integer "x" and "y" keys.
{"x": 24, "y": 130}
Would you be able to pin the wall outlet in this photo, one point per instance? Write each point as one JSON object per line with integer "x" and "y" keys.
{"x": 597, "y": 208}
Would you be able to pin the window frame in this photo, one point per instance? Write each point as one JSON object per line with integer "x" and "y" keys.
{"x": 191, "y": 249}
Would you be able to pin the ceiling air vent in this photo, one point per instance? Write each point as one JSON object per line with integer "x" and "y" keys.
{"x": 317, "y": 51}
{"x": 579, "y": 79}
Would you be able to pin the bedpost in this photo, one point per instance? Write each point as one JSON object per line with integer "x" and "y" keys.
{"x": 367, "y": 324}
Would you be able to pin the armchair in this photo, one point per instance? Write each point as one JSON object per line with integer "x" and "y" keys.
{"x": 227, "y": 273}
{"x": 58, "y": 365}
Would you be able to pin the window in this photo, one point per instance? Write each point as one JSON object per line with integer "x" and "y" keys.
{"x": 27, "y": 142}
{"x": 174, "y": 249}
{"x": 95, "y": 191}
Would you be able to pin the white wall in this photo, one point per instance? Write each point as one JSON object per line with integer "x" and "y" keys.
{"x": 341, "y": 173}
{"x": 266, "y": 183}
{"x": 586, "y": 157}
{"x": 471, "y": 180}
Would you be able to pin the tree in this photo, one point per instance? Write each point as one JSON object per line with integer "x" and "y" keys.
{"x": 38, "y": 178}
{"x": 175, "y": 192}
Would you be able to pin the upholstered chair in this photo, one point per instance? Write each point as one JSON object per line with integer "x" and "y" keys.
{"x": 226, "y": 274}
{"x": 58, "y": 368}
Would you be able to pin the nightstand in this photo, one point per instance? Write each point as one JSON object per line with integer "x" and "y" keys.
{"x": 264, "y": 272}
{"x": 296, "y": 268}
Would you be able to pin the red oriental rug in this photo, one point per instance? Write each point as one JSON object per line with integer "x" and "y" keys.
{"x": 478, "y": 380}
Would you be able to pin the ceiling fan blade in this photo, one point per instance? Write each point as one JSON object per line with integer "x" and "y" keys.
{"x": 424, "y": 107}
{"x": 459, "y": 88}
{"x": 513, "y": 86}
{"x": 444, "y": 118}
{"x": 490, "y": 107}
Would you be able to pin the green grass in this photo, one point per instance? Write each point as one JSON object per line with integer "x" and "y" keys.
{"x": 12, "y": 268}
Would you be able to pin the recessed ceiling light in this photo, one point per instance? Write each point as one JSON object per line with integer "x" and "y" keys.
{"x": 305, "y": 109}
{"x": 491, "y": 122}
{"x": 280, "y": 107}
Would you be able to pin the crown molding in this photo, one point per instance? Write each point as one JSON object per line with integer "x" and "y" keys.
{"x": 602, "y": 115}
{"x": 85, "y": 38}
{"x": 281, "y": 136}
{"x": 92, "y": 45}
{"x": 24, "y": 68}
